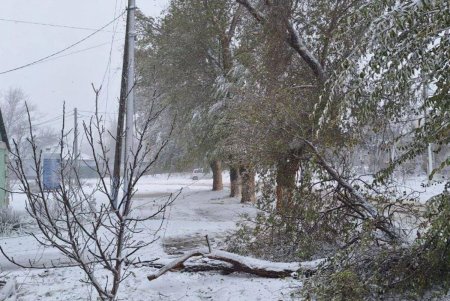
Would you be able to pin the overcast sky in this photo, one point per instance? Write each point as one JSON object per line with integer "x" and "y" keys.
{"x": 69, "y": 76}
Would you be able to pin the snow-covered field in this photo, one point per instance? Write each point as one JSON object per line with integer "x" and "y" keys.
{"x": 196, "y": 212}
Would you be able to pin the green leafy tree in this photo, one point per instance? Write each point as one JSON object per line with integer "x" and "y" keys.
{"x": 190, "y": 50}
{"x": 399, "y": 72}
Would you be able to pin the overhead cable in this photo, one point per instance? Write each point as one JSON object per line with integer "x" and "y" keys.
{"x": 63, "y": 50}
{"x": 51, "y": 25}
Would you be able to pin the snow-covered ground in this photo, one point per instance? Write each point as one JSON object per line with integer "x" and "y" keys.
{"x": 196, "y": 212}
{"x": 417, "y": 188}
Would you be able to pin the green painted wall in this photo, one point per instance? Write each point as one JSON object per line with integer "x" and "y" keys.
{"x": 3, "y": 181}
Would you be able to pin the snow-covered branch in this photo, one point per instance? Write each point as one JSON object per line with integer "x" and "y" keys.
{"x": 243, "y": 264}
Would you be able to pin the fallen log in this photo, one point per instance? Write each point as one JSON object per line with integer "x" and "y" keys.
{"x": 238, "y": 263}
{"x": 205, "y": 265}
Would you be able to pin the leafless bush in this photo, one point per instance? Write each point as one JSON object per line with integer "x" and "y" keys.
{"x": 9, "y": 221}
{"x": 81, "y": 222}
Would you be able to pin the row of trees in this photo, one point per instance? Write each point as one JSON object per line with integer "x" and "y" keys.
{"x": 248, "y": 81}
{"x": 290, "y": 90}
{"x": 305, "y": 93}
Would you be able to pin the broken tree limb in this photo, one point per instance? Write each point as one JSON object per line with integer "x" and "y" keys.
{"x": 394, "y": 233}
{"x": 194, "y": 267}
{"x": 238, "y": 263}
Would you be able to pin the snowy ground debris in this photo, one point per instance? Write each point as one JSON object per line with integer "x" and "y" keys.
{"x": 195, "y": 213}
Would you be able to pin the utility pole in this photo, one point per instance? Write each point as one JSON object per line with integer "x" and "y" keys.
{"x": 130, "y": 96}
{"x": 120, "y": 121}
{"x": 430, "y": 152}
{"x": 75, "y": 137}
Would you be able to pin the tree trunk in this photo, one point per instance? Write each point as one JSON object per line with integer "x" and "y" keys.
{"x": 248, "y": 185}
{"x": 216, "y": 167}
{"x": 235, "y": 182}
{"x": 286, "y": 181}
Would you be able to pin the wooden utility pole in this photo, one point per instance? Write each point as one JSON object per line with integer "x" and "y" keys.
{"x": 126, "y": 103}
{"x": 120, "y": 121}
{"x": 75, "y": 137}
{"x": 129, "y": 137}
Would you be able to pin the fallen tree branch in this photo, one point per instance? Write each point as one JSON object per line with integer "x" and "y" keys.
{"x": 381, "y": 223}
{"x": 205, "y": 265}
{"x": 238, "y": 263}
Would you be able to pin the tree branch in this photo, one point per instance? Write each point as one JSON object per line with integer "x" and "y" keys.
{"x": 371, "y": 212}
{"x": 243, "y": 264}
{"x": 293, "y": 40}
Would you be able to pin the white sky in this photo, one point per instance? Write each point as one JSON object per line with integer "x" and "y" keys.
{"x": 68, "y": 78}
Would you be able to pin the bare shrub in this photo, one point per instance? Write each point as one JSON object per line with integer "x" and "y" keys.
{"x": 9, "y": 221}
{"x": 83, "y": 222}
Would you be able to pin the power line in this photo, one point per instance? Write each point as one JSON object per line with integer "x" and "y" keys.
{"x": 51, "y": 120}
{"x": 63, "y": 50}
{"x": 78, "y": 51}
{"x": 74, "y": 52}
{"x": 100, "y": 112}
{"x": 108, "y": 66}
{"x": 51, "y": 25}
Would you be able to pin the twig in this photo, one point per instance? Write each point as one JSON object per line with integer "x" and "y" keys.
{"x": 209, "y": 244}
